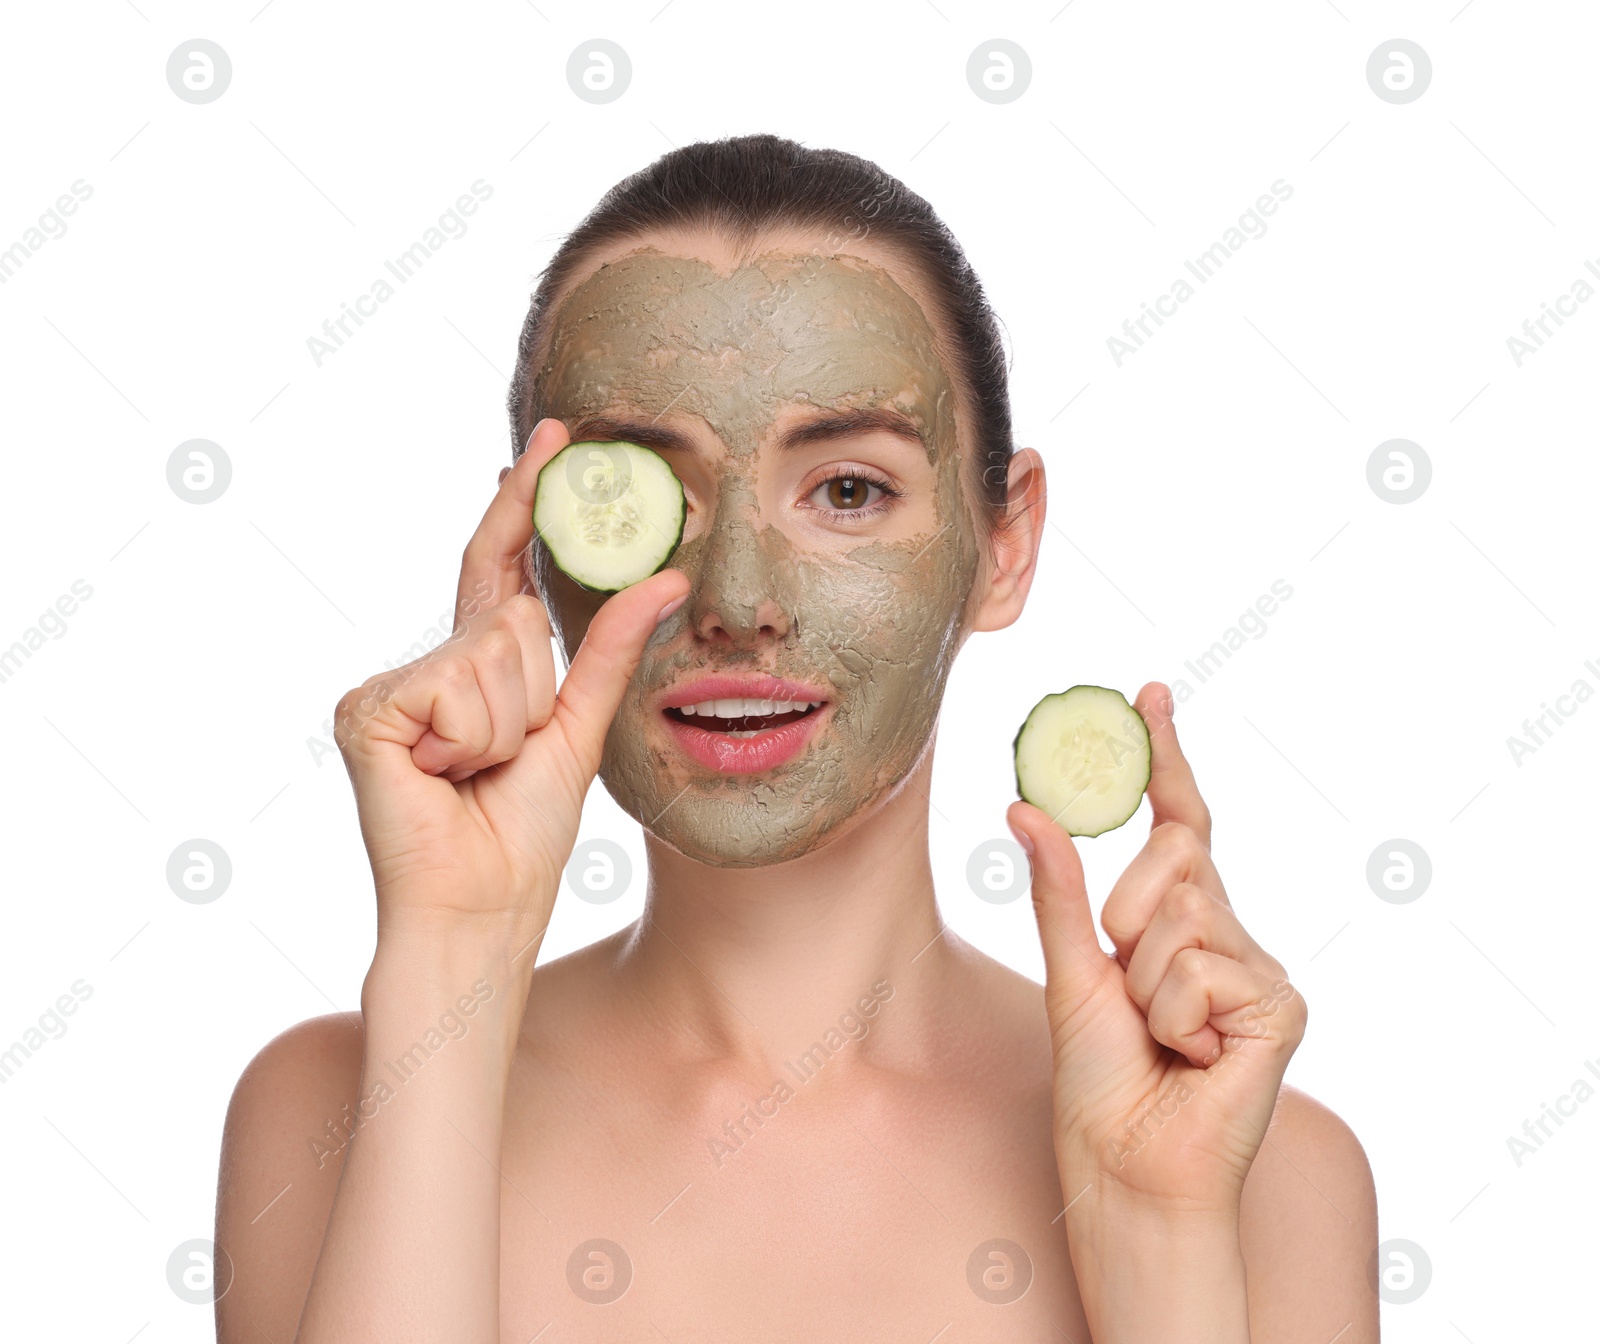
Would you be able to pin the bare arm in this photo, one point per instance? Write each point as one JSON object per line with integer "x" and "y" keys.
{"x": 1308, "y": 1226}
{"x": 276, "y": 1183}
{"x": 413, "y": 1238}
{"x": 469, "y": 773}
{"x": 354, "y": 1142}
{"x": 1293, "y": 1265}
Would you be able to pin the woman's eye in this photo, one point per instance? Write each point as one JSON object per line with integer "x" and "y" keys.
{"x": 852, "y": 492}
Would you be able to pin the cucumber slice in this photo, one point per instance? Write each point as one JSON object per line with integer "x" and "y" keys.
{"x": 610, "y": 513}
{"x": 1083, "y": 757}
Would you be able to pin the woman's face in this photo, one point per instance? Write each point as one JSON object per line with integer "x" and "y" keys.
{"x": 829, "y": 540}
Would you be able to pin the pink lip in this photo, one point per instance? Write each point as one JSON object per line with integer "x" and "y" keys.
{"x": 742, "y": 755}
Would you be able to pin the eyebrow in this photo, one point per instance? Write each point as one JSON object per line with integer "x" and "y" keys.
{"x": 823, "y": 429}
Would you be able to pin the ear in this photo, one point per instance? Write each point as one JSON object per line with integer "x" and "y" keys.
{"x": 1014, "y": 549}
{"x": 504, "y": 472}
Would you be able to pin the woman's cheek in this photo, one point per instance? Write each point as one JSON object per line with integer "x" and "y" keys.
{"x": 888, "y": 621}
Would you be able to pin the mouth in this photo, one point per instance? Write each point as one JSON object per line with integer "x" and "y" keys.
{"x": 743, "y": 725}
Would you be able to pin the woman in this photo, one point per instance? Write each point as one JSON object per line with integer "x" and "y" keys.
{"x": 786, "y": 1102}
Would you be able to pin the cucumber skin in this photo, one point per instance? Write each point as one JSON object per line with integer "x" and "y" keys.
{"x": 683, "y": 517}
{"x": 1015, "y": 741}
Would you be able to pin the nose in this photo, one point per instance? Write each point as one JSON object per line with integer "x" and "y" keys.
{"x": 741, "y": 592}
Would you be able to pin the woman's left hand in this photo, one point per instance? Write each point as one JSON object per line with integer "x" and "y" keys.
{"x": 1169, "y": 1052}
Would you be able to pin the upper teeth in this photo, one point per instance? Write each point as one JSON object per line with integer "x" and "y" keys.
{"x": 738, "y": 709}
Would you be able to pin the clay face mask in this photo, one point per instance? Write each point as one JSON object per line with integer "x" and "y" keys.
{"x": 877, "y": 621}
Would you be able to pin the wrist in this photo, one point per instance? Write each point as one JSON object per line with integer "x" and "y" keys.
{"x": 437, "y": 965}
{"x": 1107, "y": 1200}
{"x": 1155, "y": 1269}
{"x": 1109, "y": 1215}
{"x": 491, "y": 937}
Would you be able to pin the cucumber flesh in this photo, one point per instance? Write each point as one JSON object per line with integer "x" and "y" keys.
{"x": 1083, "y": 757}
{"x": 610, "y": 513}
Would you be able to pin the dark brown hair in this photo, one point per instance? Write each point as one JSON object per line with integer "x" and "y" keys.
{"x": 743, "y": 186}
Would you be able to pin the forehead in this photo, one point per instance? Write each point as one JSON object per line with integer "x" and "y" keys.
{"x": 743, "y": 341}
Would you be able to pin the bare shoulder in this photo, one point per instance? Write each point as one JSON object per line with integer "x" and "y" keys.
{"x": 288, "y": 1121}
{"x": 311, "y": 1064}
{"x": 1309, "y": 1226}
{"x": 1310, "y": 1156}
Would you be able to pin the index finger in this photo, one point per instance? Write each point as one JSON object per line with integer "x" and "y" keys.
{"x": 1172, "y": 792}
{"x": 491, "y": 565}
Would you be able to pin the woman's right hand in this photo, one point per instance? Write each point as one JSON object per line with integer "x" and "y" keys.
{"x": 469, "y": 768}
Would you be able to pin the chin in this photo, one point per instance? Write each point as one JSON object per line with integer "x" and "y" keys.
{"x": 737, "y": 831}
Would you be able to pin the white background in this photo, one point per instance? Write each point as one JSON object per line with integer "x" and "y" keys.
{"x": 184, "y": 698}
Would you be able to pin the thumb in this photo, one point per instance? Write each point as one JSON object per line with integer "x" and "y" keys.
{"x": 607, "y": 658}
{"x": 1074, "y": 961}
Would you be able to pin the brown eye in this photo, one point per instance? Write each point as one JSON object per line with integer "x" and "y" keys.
{"x": 852, "y": 493}
{"x": 846, "y": 492}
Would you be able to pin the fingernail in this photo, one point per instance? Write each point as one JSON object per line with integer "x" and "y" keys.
{"x": 671, "y": 607}
{"x": 1022, "y": 839}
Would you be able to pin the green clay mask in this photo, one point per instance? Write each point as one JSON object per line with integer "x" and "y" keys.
{"x": 652, "y": 336}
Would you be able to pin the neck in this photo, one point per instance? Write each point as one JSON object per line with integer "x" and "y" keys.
{"x": 755, "y": 965}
